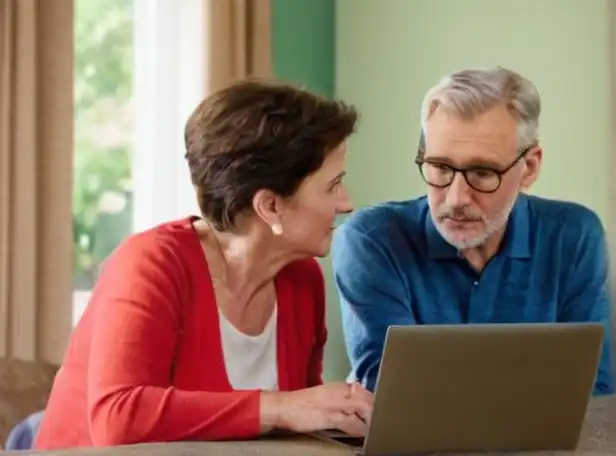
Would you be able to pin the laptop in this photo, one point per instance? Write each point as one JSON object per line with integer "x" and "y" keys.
{"x": 481, "y": 387}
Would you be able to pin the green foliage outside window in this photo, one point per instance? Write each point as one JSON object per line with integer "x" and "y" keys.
{"x": 102, "y": 193}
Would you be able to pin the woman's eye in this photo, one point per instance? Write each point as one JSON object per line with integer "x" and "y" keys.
{"x": 335, "y": 186}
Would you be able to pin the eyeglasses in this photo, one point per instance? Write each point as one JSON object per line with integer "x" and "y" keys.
{"x": 481, "y": 178}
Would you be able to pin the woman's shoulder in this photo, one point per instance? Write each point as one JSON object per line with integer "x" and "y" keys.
{"x": 306, "y": 270}
{"x": 172, "y": 247}
{"x": 304, "y": 286}
{"x": 303, "y": 280}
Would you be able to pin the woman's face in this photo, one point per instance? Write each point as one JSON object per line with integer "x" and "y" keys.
{"x": 310, "y": 215}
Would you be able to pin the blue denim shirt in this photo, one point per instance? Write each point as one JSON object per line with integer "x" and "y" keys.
{"x": 392, "y": 267}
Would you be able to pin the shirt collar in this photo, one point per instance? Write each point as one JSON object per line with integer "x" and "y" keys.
{"x": 516, "y": 242}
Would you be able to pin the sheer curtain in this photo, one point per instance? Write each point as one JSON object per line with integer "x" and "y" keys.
{"x": 36, "y": 145}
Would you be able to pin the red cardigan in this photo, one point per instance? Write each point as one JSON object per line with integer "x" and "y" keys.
{"x": 145, "y": 363}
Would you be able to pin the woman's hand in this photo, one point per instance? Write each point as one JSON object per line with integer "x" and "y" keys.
{"x": 342, "y": 406}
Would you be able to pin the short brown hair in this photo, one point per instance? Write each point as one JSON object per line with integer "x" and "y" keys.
{"x": 257, "y": 135}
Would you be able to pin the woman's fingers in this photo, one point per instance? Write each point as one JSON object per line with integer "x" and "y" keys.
{"x": 350, "y": 424}
{"x": 359, "y": 406}
{"x": 359, "y": 390}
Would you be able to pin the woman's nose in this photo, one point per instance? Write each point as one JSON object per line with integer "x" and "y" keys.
{"x": 345, "y": 207}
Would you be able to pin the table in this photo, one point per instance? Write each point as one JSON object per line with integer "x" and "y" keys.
{"x": 598, "y": 439}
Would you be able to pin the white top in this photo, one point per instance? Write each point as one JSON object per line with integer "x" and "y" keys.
{"x": 251, "y": 361}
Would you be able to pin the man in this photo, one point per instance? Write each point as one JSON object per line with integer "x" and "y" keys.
{"x": 476, "y": 249}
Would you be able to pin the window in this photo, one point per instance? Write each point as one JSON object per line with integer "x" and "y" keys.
{"x": 104, "y": 136}
{"x": 138, "y": 75}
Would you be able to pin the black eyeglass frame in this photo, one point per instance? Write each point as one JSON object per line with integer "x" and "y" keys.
{"x": 420, "y": 161}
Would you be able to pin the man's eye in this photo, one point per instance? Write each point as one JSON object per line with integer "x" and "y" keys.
{"x": 483, "y": 173}
{"x": 440, "y": 167}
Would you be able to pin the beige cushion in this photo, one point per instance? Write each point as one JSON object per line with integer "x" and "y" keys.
{"x": 24, "y": 389}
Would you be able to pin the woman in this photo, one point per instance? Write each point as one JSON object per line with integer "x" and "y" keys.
{"x": 213, "y": 327}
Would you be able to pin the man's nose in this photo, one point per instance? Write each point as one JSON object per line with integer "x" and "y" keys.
{"x": 459, "y": 192}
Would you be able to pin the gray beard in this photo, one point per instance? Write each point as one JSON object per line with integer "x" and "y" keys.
{"x": 493, "y": 225}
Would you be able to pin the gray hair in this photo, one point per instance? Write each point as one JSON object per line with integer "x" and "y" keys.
{"x": 471, "y": 92}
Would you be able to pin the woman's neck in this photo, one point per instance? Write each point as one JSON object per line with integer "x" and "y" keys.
{"x": 248, "y": 266}
{"x": 244, "y": 263}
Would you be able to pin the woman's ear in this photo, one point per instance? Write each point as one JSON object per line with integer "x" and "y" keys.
{"x": 268, "y": 207}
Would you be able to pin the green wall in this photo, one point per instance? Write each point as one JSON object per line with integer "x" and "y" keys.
{"x": 303, "y": 43}
{"x": 304, "y": 52}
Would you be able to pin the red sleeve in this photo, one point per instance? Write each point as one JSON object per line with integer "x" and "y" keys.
{"x": 135, "y": 328}
{"x": 317, "y": 286}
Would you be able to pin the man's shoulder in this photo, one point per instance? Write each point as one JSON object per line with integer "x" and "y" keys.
{"x": 405, "y": 215}
{"x": 388, "y": 231}
{"x": 564, "y": 218}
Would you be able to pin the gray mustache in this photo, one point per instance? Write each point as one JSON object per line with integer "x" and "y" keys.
{"x": 459, "y": 215}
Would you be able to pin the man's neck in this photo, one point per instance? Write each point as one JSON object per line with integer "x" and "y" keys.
{"x": 479, "y": 256}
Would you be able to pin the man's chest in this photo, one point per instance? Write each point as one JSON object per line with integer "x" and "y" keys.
{"x": 506, "y": 291}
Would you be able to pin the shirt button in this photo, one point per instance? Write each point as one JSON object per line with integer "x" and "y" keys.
{"x": 476, "y": 282}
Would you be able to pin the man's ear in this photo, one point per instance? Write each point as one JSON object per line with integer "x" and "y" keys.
{"x": 532, "y": 166}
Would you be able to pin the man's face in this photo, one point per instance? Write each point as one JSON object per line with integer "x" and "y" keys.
{"x": 465, "y": 216}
